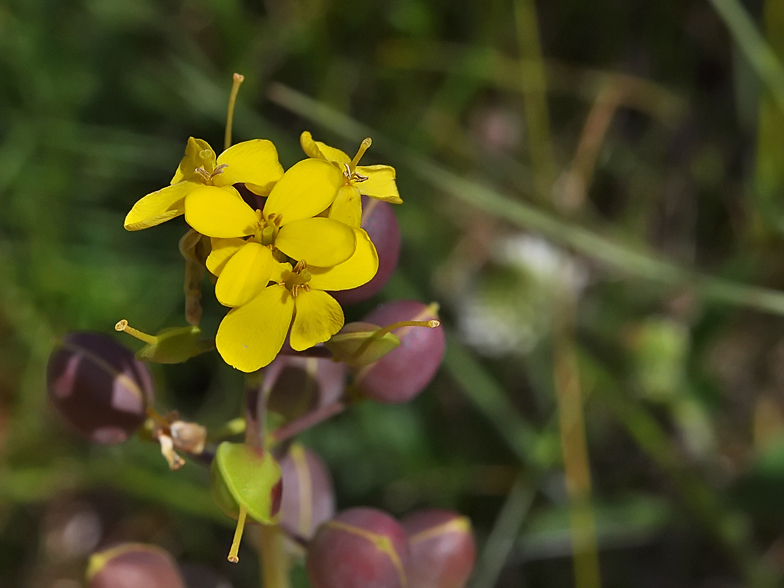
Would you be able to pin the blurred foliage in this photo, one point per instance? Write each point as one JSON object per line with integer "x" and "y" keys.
{"x": 647, "y": 200}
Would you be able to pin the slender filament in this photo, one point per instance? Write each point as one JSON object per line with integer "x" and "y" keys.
{"x": 124, "y": 327}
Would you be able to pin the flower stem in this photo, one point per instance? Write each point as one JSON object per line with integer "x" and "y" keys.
{"x": 307, "y": 421}
{"x": 575, "y": 452}
{"x": 273, "y": 559}
{"x": 235, "y": 88}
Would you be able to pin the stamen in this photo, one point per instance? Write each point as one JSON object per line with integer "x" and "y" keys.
{"x": 235, "y": 544}
{"x": 219, "y": 170}
{"x": 358, "y": 178}
{"x": 364, "y": 146}
{"x": 203, "y": 173}
{"x": 124, "y": 327}
{"x": 235, "y": 88}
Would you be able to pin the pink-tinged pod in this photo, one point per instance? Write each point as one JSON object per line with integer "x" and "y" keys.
{"x": 133, "y": 565}
{"x": 442, "y": 546}
{"x": 378, "y": 219}
{"x": 98, "y": 386}
{"x": 404, "y": 372}
{"x": 360, "y": 548}
{"x": 308, "y": 497}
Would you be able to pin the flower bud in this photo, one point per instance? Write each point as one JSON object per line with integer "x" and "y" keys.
{"x": 98, "y": 386}
{"x": 297, "y": 385}
{"x": 405, "y": 371}
{"x": 442, "y": 549}
{"x": 379, "y": 220}
{"x": 360, "y": 548}
{"x": 133, "y": 565}
{"x": 308, "y": 498}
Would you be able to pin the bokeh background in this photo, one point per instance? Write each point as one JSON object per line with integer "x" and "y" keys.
{"x": 594, "y": 193}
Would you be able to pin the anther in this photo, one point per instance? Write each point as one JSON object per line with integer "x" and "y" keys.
{"x": 364, "y": 146}
{"x": 203, "y": 173}
{"x": 124, "y": 327}
{"x": 219, "y": 170}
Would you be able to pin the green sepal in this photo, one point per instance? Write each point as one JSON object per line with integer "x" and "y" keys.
{"x": 241, "y": 475}
{"x": 174, "y": 345}
{"x": 359, "y": 344}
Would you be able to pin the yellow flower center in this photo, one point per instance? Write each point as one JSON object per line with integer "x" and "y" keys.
{"x": 349, "y": 172}
{"x": 267, "y": 229}
{"x": 297, "y": 279}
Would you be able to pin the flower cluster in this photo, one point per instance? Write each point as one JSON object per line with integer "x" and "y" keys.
{"x": 275, "y": 265}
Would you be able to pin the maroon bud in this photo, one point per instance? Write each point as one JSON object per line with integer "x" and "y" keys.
{"x": 442, "y": 549}
{"x": 297, "y": 385}
{"x": 98, "y": 386}
{"x": 308, "y": 498}
{"x": 380, "y": 223}
{"x": 133, "y": 565}
{"x": 361, "y": 548}
{"x": 406, "y": 370}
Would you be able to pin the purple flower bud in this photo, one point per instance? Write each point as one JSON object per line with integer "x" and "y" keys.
{"x": 297, "y": 385}
{"x": 308, "y": 497}
{"x": 133, "y": 565}
{"x": 405, "y": 371}
{"x": 360, "y": 548}
{"x": 442, "y": 549}
{"x": 378, "y": 219}
{"x": 98, "y": 386}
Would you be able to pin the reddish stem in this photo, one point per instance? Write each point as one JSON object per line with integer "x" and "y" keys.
{"x": 306, "y": 422}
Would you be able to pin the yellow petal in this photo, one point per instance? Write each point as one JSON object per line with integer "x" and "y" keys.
{"x": 309, "y": 146}
{"x": 158, "y": 207}
{"x": 358, "y": 270}
{"x": 347, "y": 207}
{"x": 321, "y": 150}
{"x": 254, "y": 163}
{"x": 251, "y": 335}
{"x": 318, "y": 317}
{"x": 198, "y": 153}
{"x": 246, "y": 274}
{"x": 305, "y": 190}
{"x": 222, "y": 250}
{"x": 380, "y": 183}
{"x": 321, "y": 241}
{"x": 219, "y": 212}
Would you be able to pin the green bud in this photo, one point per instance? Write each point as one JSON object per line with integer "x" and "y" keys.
{"x": 243, "y": 477}
{"x": 359, "y": 344}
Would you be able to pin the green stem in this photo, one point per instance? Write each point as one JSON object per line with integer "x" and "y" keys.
{"x": 274, "y": 561}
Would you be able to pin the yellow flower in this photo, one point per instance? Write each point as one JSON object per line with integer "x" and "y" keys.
{"x": 251, "y": 336}
{"x": 286, "y": 224}
{"x": 254, "y": 163}
{"x": 375, "y": 181}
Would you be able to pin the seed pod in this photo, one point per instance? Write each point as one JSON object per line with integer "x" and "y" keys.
{"x": 308, "y": 497}
{"x": 442, "y": 549}
{"x": 133, "y": 565}
{"x": 296, "y": 385}
{"x": 378, "y": 219}
{"x": 360, "y": 548}
{"x": 405, "y": 371}
{"x": 98, "y": 386}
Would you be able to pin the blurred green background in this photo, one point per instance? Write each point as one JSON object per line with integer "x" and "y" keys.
{"x": 591, "y": 189}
